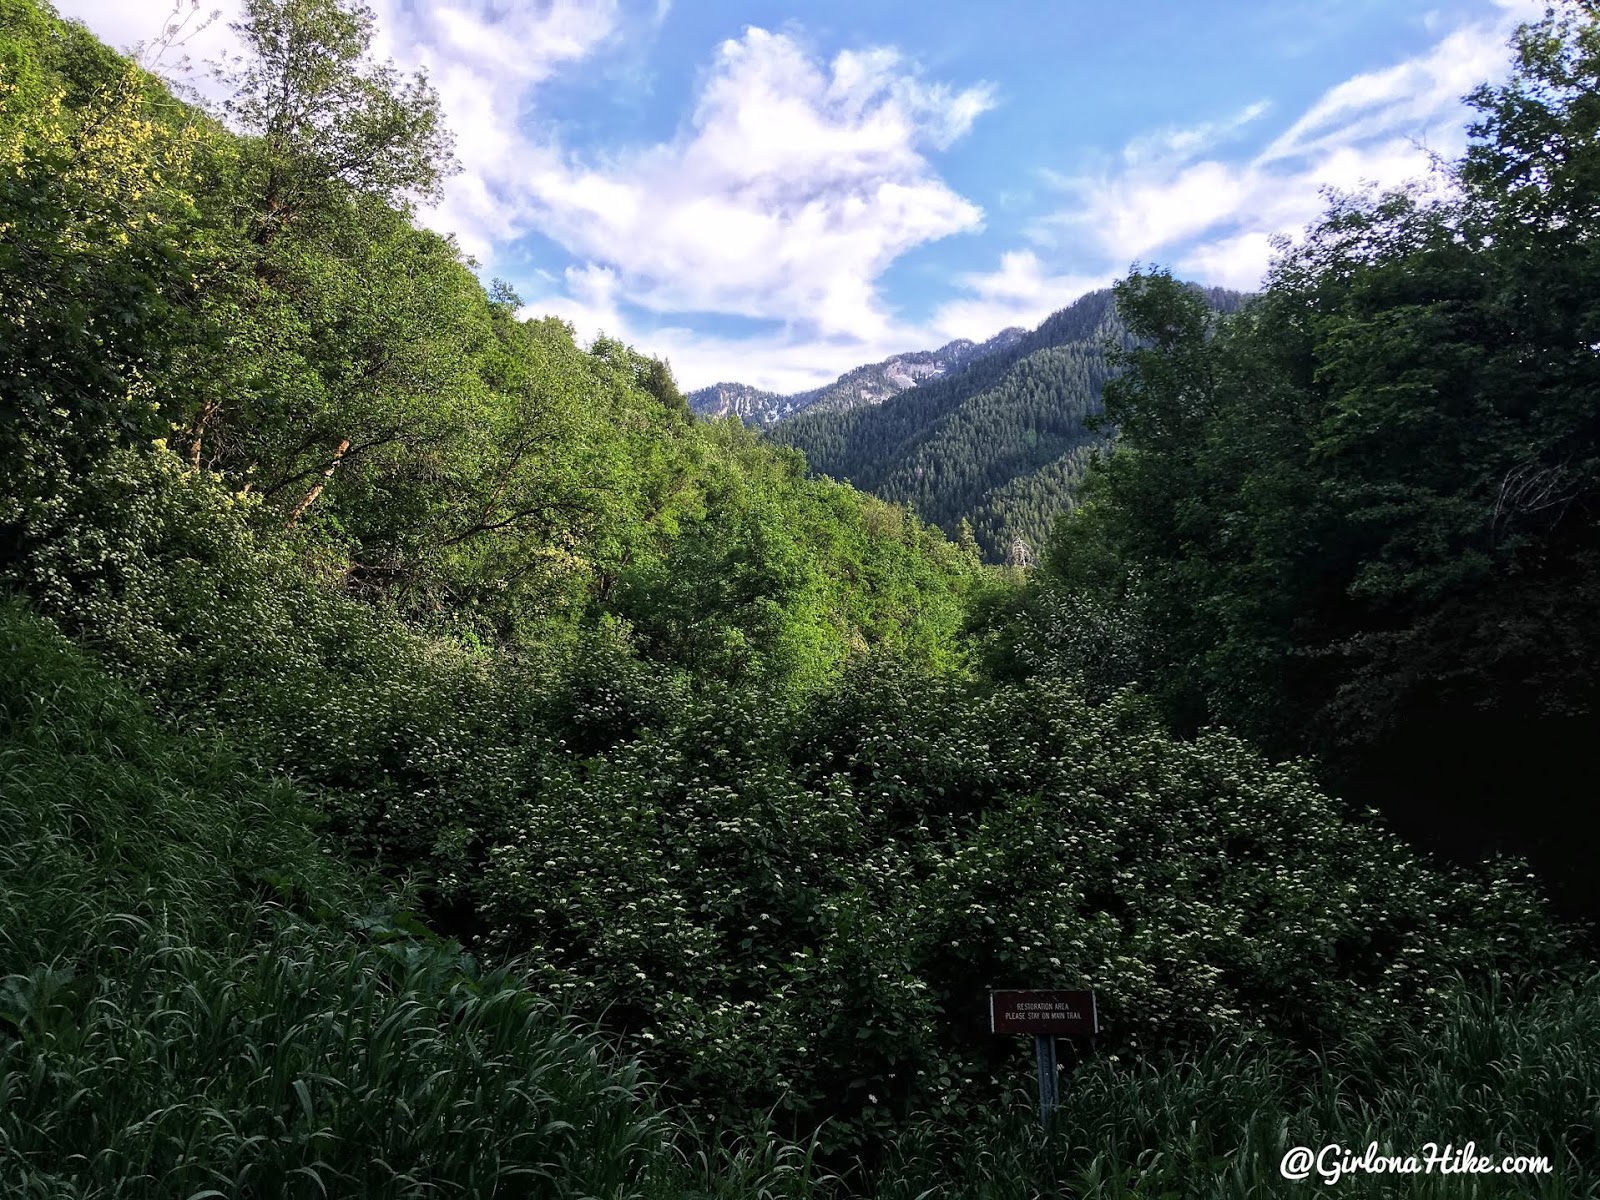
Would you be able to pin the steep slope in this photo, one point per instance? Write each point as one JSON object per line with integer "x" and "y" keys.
{"x": 750, "y": 404}
{"x": 159, "y": 890}
{"x": 999, "y": 443}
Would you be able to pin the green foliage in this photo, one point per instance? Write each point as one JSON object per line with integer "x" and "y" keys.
{"x": 1512, "y": 1070}
{"x": 809, "y": 911}
{"x": 690, "y": 745}
{"x": 1359, "y": 517}
{"x": 947, "y": 446}
{"x": 192, "y": 997}
{"x": 95, "y": 237}
{"x": 787, "y": 578}
{"x": 421, "y": 746}
{"x": 318, "y": 113}
{"x": 196, "y": 997}
{"x": 109, "y": 821}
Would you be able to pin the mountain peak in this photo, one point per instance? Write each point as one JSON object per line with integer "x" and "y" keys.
{"x": 870, "y": 384}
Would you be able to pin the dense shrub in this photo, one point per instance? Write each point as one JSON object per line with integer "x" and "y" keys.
{"x": 809, "y": 909}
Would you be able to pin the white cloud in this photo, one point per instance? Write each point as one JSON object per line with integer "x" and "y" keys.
{"x": 1020, "y": 292}
{"x": 1239, "y": 262}
{"x": 483, "y": 57}
{"x": 1182, "y": 143}
{"x": 486, "y": 61}
{"x": 1130, "y": 214}
{"x": 1172, "y": 197}
{"x": 775, "y": 360}
{"x": 774, "y": 363}
{"x": 795, "y": 184}
{"x": 778, "y": 359}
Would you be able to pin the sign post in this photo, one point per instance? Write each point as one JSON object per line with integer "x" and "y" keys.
{"x": 1044, "y": 1051}
{"x": 1046, "y": 1015}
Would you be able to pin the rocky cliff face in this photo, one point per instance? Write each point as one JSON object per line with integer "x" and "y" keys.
{"x": 751, "y": 405}
{"x": 870, "y": 384}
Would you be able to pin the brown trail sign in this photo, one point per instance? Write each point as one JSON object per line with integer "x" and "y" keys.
{"x": 1044, "y": 1014}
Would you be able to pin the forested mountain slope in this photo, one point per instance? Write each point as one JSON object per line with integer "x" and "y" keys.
{"x": 998, "y": 444}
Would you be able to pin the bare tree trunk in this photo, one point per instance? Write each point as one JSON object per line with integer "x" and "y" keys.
{"x": 311, "y": 496}
{"x": 198, "y": 432}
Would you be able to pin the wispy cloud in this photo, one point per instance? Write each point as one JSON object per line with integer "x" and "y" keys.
{"x": 1021, "y": 292}
{"x": 793, "y": 188}
{"x": 1173, "y": 195}
{"x": 1182, "y": 143}
{"x": 487, "y": 61}
{"x": 1411, "y": 97}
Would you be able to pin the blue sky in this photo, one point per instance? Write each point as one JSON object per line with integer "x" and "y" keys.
{"x": 775, "y": 192}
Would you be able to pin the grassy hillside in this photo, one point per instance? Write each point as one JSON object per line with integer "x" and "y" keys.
{"x": 197, "y": 998}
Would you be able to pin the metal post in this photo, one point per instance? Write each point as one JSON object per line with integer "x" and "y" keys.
{"x": 1044, "y": 1050}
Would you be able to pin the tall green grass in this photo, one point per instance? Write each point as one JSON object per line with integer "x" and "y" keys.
{"x": 195, "y": 1000}
{"x": 1516, "y": 1073}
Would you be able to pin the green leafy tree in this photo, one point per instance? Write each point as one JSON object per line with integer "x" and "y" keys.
{"x": 331, "y": 139}
{"x": 95, "y": 232}
{"x": 320, "y": 115}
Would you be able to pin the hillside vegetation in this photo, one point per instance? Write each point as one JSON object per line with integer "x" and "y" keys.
{"x": 433, "y": 763}
{"x": 199, "y": 1000}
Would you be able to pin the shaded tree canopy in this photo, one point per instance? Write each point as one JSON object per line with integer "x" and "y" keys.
{"x": 1361, "y": 519}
